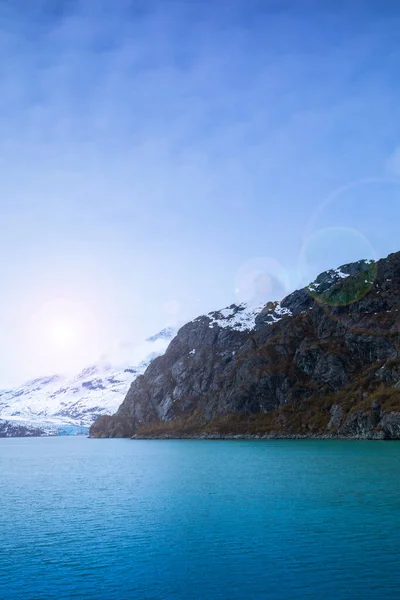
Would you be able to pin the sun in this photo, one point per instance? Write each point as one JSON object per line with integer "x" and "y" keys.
{"x": 62, "y": 332}
{"x": 62, "y": 335}
{"x": 59, "y": 326}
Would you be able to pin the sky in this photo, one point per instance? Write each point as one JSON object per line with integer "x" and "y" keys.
{"x": 160, "y": 159}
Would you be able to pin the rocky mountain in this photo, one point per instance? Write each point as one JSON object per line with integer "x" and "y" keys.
{"x": 67, "y": 406}
{"x": 325, "y": 361}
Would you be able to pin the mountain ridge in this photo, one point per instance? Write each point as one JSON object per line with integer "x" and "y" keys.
{"x": 322, "y": 362}
{"x": 60, "y": 405}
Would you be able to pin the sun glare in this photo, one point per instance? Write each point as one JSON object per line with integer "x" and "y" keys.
{"x": 62, "y": 336}
{"x": 63, "y": 333}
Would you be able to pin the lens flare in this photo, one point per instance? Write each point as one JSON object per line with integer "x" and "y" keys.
{"x": 343, "y": 245}
{"x": 261, "y": 279}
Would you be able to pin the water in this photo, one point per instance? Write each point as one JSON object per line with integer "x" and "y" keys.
{"x": 150, "y": 520}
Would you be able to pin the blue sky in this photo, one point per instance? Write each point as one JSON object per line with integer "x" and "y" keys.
{"x": 160, "y": 159}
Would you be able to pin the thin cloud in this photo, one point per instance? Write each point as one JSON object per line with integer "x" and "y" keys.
{"x": 393, "y": 163}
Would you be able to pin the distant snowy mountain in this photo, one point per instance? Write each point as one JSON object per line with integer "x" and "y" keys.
{"x": 59, "y": 405}
{"x": 165, "y": 334}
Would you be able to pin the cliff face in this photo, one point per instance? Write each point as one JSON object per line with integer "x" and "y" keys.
{"x": 324, "y": 361}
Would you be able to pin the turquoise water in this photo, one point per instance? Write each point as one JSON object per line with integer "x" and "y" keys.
{"x": 151, "y": 520}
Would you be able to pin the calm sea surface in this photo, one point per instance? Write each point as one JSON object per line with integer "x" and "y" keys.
{"x": 244, "y": 520}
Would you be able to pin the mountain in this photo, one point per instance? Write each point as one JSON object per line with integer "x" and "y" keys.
{"x": 165, "y": 335}
{"x": 325, "y": 361}
{"x": 67, "y": 406}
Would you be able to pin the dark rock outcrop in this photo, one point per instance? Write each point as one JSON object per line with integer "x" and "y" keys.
{"x": 324, "y": 361}
{"x": 15, "y": 429}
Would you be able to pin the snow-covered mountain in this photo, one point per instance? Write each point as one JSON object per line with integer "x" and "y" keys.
{"x": 58, "y": 405}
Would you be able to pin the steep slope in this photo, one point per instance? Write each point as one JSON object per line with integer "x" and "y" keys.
{"x": 61, "y": 406}
{"x": 324, "y": 361}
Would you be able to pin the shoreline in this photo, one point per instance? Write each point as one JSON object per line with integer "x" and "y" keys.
{"x": 269, "y": 436}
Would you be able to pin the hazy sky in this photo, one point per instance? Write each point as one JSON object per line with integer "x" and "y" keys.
{"x": 160, "y": 159}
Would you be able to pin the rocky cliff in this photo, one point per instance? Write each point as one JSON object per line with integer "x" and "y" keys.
{"x": 323, "y": 362}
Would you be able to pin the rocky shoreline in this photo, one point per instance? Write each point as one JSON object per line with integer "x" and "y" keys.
{"x": 376, "y": 437}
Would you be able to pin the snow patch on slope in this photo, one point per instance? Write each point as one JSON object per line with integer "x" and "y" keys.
{"x": 333, "y": 276}
{"x": 239, "y": 317}
{"x": 243, "y": 317}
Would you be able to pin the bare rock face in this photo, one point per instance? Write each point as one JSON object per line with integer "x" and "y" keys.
{"x": 324, "y": 361}
{"x": 14, "y": 429}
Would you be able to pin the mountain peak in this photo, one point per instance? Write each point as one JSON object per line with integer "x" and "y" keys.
{"x": 332, "y": 277}
{"x": 168, "y": 333}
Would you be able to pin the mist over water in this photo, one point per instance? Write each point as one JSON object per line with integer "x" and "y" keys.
{"x": 116, "y": 519}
